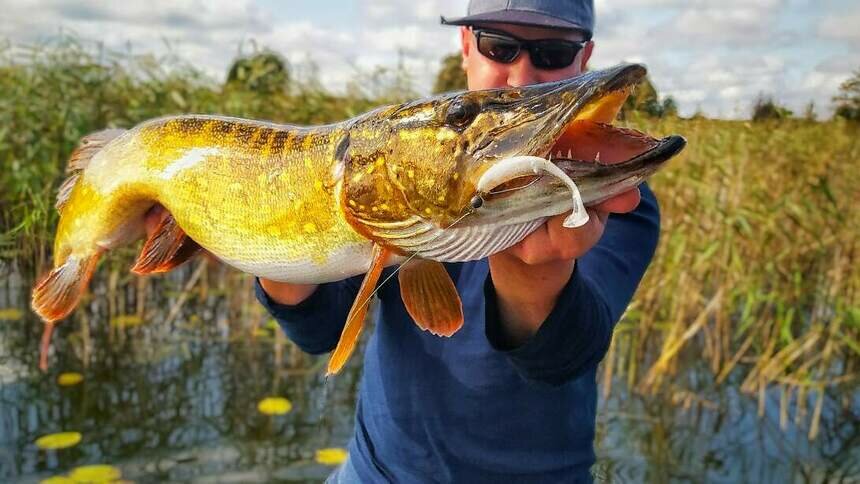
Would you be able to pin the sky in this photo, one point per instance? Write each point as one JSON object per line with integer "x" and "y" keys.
{"x": 713, "y": 56}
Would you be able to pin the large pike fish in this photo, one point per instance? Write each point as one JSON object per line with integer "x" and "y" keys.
{"x": 455, "y": 177}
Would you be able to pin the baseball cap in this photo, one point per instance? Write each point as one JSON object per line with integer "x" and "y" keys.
{"x": 558, "y": 14}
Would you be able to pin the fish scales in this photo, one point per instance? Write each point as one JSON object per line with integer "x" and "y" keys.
{"x": 271, "y": 209}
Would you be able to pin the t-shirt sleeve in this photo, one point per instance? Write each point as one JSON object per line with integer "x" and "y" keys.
{"x": 314, "y": 324}
{"x": 576, "y": 334}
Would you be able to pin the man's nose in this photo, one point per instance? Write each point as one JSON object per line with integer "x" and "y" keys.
{"x": 522, "y": 72}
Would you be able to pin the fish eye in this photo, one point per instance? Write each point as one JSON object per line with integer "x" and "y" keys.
{"x": 476, "y": 202}
{"x": 460, "y": 113}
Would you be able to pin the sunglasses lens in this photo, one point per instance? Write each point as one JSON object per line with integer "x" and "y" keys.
{"x": 498, "y": 48}
{"x": 553, "y": 55}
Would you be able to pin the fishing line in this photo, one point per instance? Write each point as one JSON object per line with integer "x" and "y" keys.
{"x": 381, "y": 284}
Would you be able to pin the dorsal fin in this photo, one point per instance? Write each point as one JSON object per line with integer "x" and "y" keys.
{"x": 89, "y": 146}
{"x": 80, "y": 158}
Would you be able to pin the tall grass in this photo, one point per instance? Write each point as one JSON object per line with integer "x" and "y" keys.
{"x": 758, "y": 263}
{"x": 756, "y": 274}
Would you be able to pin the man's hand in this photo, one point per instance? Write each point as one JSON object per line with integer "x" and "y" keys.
{"x": 529, "y": 276}
{"x": 280, "y": 292}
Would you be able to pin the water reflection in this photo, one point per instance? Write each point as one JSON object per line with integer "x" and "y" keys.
{"x": 650, "y": 440}
{"x": 175, "y": 398}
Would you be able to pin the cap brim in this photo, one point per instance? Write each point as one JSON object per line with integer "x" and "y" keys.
{"x": 516, "y": 17}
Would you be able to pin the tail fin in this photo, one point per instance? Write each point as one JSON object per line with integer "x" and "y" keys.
{"x": 58, "y": 293}
{"x": 89, "y": 146}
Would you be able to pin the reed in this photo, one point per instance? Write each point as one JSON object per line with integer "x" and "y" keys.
{"x": 757, "y": 264}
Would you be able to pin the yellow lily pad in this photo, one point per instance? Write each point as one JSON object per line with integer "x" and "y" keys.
{"x": 11, "y": 314}
{"x": 60, "y": 440}
{"x": 274, "y": 406}
{"x": 57, "y": 480}
{"x": 332, "y": 456}
{"x": 96, "y": 473}
{"x": 69, "y": 379}
{"x": 126, "y": 321}
{"x": 272, "y": 324}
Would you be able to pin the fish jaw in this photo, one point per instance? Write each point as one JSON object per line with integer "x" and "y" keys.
{"x": 592, "y": 161}
{"x": 524, "y": 154}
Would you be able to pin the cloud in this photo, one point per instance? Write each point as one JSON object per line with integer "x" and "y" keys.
{"x": 842, "y": 26}
{"x": 717, "y": 56}
{"x": 738, "y": 24}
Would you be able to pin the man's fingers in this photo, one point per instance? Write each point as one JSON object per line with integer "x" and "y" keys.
{"x": 621, "y": 203}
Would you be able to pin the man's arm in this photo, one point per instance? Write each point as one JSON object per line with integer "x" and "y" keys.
{"x": 312, "y": 316}
{"x": 286, "y": 293}
{"x": 554, "y": 317}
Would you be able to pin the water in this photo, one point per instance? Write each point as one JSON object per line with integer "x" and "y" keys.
{"x": 177, "y": 401}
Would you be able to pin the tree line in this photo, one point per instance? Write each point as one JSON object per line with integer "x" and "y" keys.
{"x": 268, "y": 72}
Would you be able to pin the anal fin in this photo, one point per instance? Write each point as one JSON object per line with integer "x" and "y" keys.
{"x": 167, "y": 248}
{"x": 355, "y": 320}
{"x": 430, "y": 297}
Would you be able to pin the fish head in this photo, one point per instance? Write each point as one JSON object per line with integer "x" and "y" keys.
{"x": 464, "y": 175}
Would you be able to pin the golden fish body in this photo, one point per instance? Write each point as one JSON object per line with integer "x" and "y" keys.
{"x": 261, "y": 197}
{"x": 456, "y": 177}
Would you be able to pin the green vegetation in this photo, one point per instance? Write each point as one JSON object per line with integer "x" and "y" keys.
{"x": 757, "y": 264}
{"x": 646, "y": 101}
{"x": 266, "y": 73}
{"x": 848, "y": 100}
{"x": 756, "y": 274}
{"x": 451, "y": 76}
{"x": 765, "y": 108}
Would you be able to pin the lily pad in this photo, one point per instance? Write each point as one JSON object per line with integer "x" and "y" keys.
{"x": 57, "y": 480}
{"x": 126, "y": 321}
{"x": 96, "y": 473}
{"x": 69, "y": 379}
{"x": 332, "y": 456}
{"x": 11, "y": 314}
{"x": 274, "y": 406}
{"x": 60, "y": 440}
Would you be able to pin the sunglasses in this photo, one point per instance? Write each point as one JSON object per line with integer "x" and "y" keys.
{"x": 544, "y": 53}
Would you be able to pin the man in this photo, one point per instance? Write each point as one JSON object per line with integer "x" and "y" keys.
{"x": 511, "y": 397}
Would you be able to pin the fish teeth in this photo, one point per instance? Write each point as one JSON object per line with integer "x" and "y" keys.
{"x": 597, "y": 156}
{"x": 559, "y": 154}
{"x": 569, "y": 154}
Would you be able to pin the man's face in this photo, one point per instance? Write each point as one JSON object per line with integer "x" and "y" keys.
{"x": 484, "y": 73}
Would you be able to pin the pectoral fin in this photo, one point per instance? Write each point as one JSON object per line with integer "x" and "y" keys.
{"x": 430, "y": 297}
{"x": 167, "y": 248}
{"x": 355, "y": 320}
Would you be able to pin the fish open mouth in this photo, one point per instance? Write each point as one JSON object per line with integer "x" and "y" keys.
{"x": 591, "y": 137}
{"x": 582, "y": 140}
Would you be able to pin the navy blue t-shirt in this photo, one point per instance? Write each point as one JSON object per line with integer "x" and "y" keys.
{"x": 466, "y": 408}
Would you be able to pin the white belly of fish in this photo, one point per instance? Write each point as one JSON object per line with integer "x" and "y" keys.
{"x": 345, "y": 262}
